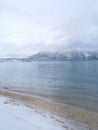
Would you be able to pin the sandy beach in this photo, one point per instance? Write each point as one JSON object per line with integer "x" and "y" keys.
{"x": 79, "y": 115}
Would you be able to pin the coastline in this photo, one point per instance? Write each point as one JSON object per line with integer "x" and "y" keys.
{"x": 59, "y": 109}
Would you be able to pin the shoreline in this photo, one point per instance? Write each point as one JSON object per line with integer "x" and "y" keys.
{"x": 59, "y": 109}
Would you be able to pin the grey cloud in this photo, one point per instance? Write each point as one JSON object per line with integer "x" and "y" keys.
{"x": 32, "y": 25}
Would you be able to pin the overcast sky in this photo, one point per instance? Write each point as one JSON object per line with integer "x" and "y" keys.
{"x": 27, "y": 26}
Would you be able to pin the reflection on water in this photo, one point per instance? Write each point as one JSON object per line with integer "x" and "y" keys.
{"x": 70, "y": 82}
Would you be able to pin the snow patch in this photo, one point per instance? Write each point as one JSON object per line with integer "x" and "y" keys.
{"x": 14, "y": 116}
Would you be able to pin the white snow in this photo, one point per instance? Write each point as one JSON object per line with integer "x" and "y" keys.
{"x": 14, "y": 116}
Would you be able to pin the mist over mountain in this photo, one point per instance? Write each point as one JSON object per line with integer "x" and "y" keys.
{"x": 27, "y": 26}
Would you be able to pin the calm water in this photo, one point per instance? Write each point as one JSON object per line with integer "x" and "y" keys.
{"x": 68, "y": 82}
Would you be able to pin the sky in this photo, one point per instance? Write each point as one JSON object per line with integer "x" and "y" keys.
{"x": 28, "y": 26}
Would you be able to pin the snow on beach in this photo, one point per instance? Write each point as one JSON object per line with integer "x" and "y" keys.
{"x": 14, "y": 116}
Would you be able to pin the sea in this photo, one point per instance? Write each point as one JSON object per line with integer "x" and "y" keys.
{"x": 68, "y": 82}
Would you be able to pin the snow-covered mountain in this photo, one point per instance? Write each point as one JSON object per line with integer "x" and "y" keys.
{"x": 58, "y": 56}
{"x": 64, "y": 56}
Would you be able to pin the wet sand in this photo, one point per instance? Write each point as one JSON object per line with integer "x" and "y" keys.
{"x": 59, "y": 109}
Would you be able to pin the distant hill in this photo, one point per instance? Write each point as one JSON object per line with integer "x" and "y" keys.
{"x": 63, "y": 56}
{"x": 57, "y": 56}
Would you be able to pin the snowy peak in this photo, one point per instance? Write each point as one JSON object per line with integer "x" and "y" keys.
{"x": 64, "y": 56}
{"x": 57, "y": 56}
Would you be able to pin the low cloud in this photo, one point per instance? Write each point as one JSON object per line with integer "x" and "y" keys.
{"x": 27, "y": 26}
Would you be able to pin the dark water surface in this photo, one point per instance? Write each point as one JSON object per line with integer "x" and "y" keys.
{"x": 73, "y": 82}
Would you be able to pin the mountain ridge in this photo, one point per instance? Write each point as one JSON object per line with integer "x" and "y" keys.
{"x": 57, "y": 56}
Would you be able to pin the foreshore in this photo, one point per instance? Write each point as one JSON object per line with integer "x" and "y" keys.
{"x": 59, "y": 109}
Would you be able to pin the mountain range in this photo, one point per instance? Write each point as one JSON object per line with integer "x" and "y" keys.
{"x": 57, "y": 56}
